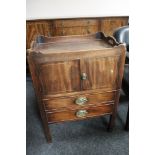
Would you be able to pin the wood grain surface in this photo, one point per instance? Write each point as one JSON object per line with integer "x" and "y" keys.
{"x": 63, "y": 69}
{"x": 68, "y": 102}
{"x": 62, "y": 27}
{"x": 70, "y": 115}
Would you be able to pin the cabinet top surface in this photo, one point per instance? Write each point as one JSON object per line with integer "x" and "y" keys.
{"x": 73, "y": 43}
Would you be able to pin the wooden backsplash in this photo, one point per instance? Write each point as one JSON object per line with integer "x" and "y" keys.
{"x": 61, "y": 27}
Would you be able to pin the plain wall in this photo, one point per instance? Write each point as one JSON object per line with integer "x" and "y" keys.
{"x": 51, "y": 9}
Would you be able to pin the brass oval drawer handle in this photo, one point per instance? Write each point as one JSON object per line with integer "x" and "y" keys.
{"x": 83, "y": 76}
{"x": 81, "y": 100}
{"x": 81, "y": 113}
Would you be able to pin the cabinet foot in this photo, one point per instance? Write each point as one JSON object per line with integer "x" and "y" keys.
{"x": 46, "y": 127}
{"x": 127, "y": 121}
{"x": 47, "y": 133}
{"x": 111, "y": 123}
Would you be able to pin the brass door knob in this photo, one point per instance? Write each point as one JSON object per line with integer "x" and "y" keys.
{"x": 81, "y": 113}
{"x": 81, "y": 100}
{"x": 83, "y": 76}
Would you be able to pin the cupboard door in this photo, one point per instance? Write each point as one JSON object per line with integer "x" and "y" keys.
{"x": 99, "y": 73}
{"x": 59, "y": 77}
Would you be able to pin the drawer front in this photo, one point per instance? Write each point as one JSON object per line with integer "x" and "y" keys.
{"x": 79, "y": 100}
{"x": 78, "y": 114}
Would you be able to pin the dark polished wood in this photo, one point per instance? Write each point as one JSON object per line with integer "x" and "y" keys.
{"x": 70, "y": 115}
{"x": 76, "y": 77}
{"x": 69, "y": 101}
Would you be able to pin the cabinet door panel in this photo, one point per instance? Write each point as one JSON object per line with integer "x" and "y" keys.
{"x": 100, "y": 72}
{"x": 58, "y": 77}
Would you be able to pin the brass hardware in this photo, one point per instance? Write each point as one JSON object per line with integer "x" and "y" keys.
{"x": 81, "y": 113}
{"x": 81, "y": 100}
{"x": 83, "y": 76}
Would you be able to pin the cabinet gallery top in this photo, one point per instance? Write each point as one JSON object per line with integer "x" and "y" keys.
{"x": 61, "y": 44}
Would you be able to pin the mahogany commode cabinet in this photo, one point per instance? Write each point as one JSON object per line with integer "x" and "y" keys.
{"x": 76, "y": 77}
